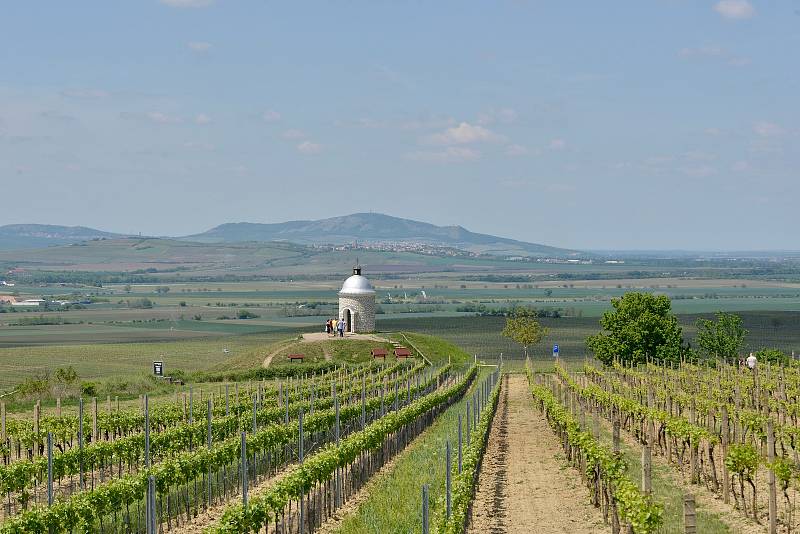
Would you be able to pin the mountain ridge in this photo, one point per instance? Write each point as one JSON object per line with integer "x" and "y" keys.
{"x": 376, "y": 228}
{"x": 342, "y": 230}
{"x": 31, "y": 236}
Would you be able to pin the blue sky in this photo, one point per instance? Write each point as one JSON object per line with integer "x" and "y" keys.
{"x": 629, "y": 124}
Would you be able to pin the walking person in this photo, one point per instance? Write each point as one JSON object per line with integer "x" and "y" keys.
{"x": 341, "y": 327}
{"x": 751, "y": 361}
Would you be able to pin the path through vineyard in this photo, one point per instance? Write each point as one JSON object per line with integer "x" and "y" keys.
{"x": 525, "y": 484}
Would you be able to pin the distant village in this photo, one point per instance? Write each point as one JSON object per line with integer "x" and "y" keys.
{"x": 438, "y": 250}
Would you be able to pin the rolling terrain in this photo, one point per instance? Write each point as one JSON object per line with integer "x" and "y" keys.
{"x": 376, "y": 227}
{"x": 359, "y": 227}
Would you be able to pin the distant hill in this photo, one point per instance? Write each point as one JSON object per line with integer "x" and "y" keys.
{"x": 30, "y": 236}
{"x": 376, "y": 228}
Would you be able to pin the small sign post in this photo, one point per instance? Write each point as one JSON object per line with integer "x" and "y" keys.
{"x": 555, "y": 351}
{"x": 158, "y": 368}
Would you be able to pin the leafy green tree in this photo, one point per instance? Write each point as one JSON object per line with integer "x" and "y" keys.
{"x": 641, "y": 325}
{"x": 246, "y": 314}
{"x": 722, "y": 339}
{"x": 772, "y": 356}
{"x": 66, "y": 377}
{"x": 523, "y": 328}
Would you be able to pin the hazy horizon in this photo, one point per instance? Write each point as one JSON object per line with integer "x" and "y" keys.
{"x": 631, "y": 126}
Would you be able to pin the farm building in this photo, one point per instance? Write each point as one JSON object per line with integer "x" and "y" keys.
{"x": 357, "y": 303}
{"x": 30, "y": 303}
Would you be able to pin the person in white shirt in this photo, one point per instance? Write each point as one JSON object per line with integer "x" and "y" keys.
{"x": 751, "y": 361}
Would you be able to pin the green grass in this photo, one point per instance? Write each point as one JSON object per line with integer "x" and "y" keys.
{"x": 101, "y": 361}
{"x": 340, "y": 350}
{"x": 481, "y": 335}
{"x": 438, "y": 351}
{"x": 394, "y": 504}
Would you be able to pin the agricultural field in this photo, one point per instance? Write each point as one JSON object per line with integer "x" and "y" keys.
{"x": 227, "y": 453}
{"x": 320, "y": 422}
{"x": 228, "y": 343}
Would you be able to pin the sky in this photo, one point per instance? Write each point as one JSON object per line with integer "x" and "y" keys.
{"x": 659, "y": 124}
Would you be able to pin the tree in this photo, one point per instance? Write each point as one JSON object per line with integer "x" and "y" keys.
{"x": 641, "y": 325}
{"x": 127, "y": 288}
{"x": 66, "y": 377}
{"x": 773, "y": 356}
{"x": 523, "y": 328}
{"x": 162, "y": 290}
{"x": 722, "y": 339}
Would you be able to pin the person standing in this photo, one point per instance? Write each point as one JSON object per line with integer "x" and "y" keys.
{"x": 341, "y": 327}
{"x": 751, "y": 361}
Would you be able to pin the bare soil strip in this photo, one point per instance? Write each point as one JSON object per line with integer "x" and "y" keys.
{"x": 211, "y": 515}
{"x": 525, "y": 484}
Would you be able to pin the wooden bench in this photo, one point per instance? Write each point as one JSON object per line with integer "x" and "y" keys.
{"x": 380, "y": 353}
{"x": 402, "y": 352}
{"x": 297, "y": 357}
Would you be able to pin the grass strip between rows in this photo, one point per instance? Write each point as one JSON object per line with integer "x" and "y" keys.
{"x": 23, "y": 474}
{"x": 319, "y": 467}
{"x": 464, "y": 483}
{"x": 83, "y": 509}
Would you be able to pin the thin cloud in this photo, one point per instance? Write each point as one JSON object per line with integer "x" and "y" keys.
{"x": 768, "y": 129}
{"x": 452, "y": 154}
{"x": 187, "y": 3}
{"x": 699, "y": 171}
{"x": 463, "y": 134}
{"x": 502, "y": 116}
{"x": 735, "y": 9}
{"x": 560, "y": 188}
{"x": 57, "y": 116}
{"x": 293, "y": 134}
{"x": 307, "y": 147}
{"x": 517, "y": 150}
{"x": 713, "y": 52}
{"x": 201, "y": 47}
{"x": 161, "y": 118}
{"x": 557, "y": 144}
{"x": 202, "y": 118}
{"x": 85, "y": 93}
{"x": 702, "y": 51}
{"x": 156, "y": 117}
{"x": 270, "y": 116}
{"x": 194, "y": 145}
{"x": 427, "y": 123}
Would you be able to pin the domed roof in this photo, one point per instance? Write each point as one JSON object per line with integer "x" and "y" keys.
{"x": 357, "y": 285}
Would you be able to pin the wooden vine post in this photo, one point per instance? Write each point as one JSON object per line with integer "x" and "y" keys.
{"x": 689, "y": 516}
{"x": 647, "y": 468}
{"x": 725, "y": 440}
{"x": 773, "y": 497}
{"x": 35, "y": 446}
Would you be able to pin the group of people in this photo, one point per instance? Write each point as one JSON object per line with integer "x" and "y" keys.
{"x": 332, "y": 326}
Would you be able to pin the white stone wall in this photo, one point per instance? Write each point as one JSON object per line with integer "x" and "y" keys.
{"x": 363, "y": 307}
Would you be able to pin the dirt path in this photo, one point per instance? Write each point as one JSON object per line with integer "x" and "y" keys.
{"x": 525, "y": 484}
{"x": 213, "y": 514}
{"x": 275, "y": 352}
